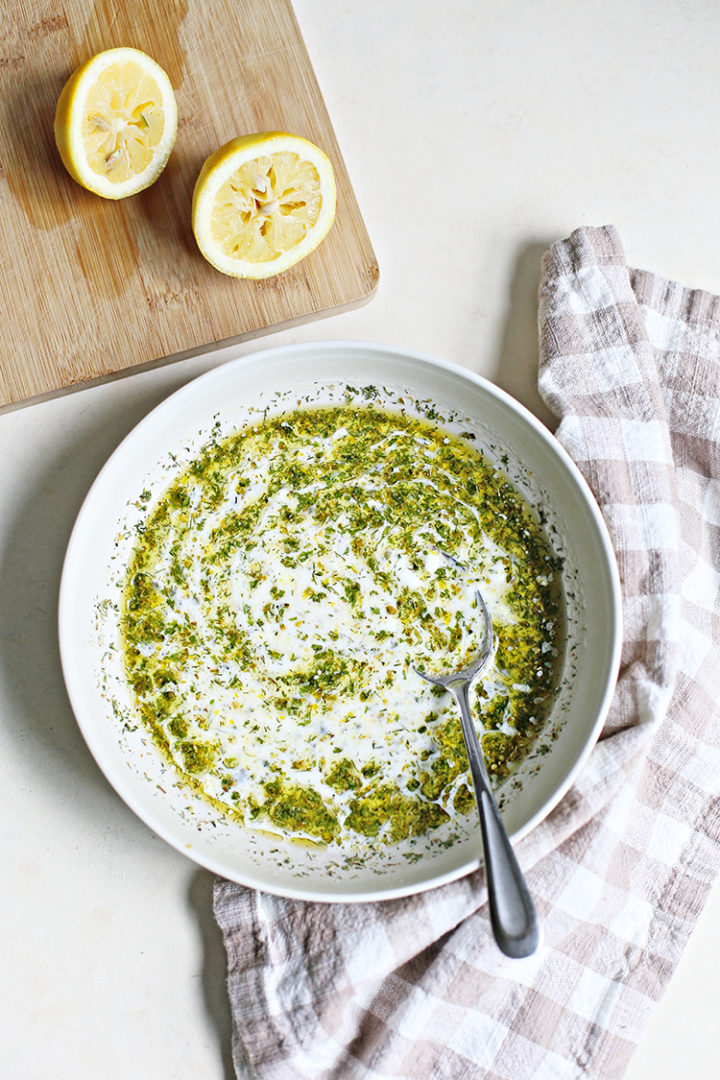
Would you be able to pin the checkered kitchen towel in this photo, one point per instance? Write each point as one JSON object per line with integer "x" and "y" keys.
{"x": 415, "y": 989}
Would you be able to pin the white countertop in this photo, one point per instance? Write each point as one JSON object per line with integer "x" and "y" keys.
{"x": 475, "y": 134}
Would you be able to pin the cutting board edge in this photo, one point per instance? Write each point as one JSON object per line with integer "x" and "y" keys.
{"x": 198, "y": 350}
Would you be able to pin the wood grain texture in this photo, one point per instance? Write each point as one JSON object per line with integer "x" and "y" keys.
{"x": 92, "y": 288}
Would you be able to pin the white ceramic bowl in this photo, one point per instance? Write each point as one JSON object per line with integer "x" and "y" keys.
{"x": 235, "y": 394}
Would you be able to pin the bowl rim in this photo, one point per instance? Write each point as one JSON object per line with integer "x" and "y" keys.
{"x": 323, "y": 347}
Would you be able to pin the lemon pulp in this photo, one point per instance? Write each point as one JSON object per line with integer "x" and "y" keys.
{"x": 122, "y": 122}
{"x": 266, "y": 207}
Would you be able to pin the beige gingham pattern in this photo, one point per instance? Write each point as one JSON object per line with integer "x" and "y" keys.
{"x": 415, "y": 989}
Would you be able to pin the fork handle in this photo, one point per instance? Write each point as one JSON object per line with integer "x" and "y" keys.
{"x": 512, "y": 912}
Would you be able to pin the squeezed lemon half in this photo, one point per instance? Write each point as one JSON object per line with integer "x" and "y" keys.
{"x": 262, "y": 202}
{"x": 116, "y": 122}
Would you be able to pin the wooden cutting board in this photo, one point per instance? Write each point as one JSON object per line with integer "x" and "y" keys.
{"x": 91, "y": 288}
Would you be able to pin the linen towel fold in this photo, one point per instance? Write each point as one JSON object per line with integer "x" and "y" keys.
{"x": 416, "y": 989}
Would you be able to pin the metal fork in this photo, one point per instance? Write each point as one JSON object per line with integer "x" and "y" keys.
{"x": 512, "y": 912}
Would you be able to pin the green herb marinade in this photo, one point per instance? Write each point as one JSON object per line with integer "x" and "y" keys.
{"x": 285, "y": 586}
